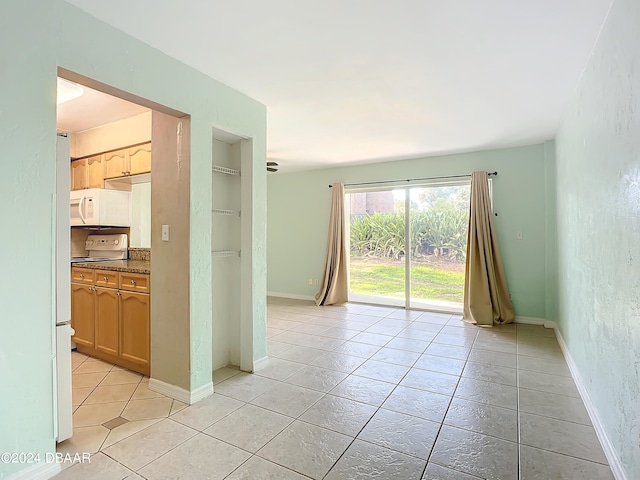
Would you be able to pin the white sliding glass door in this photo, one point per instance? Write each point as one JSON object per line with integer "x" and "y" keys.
{"x": 377, "y": 267}
{"x": 408, "y": 245}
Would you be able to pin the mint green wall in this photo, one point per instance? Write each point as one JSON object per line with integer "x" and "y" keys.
{"x": 298, "y": 216}
{"x": 37, "y": 37}
{"x": 598, "y": 177}
{"x": 27, "y": 156}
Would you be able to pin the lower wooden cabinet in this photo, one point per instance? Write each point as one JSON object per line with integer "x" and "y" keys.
{"x": 83, "y": 307}
{"x": 106, "y": 320}
{"x": 112, "y": 323}
{"x": 134, "y": 327}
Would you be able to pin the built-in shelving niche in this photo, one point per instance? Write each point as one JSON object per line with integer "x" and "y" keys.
{"x": 226, "y": 240}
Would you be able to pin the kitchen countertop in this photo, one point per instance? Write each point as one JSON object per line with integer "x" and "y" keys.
{"x": 131, "y": 266}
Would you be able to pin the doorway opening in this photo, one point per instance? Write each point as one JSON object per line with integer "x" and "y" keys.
{"x": 105, "y": 143}
{"x": 407, "y": 245}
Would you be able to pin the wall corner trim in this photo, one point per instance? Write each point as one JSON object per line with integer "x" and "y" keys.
{"x": 39, "y": 471}
{"x": 612, "y": 457}
{"x": 260, "y": 364}
{"x": 179, "y": 393}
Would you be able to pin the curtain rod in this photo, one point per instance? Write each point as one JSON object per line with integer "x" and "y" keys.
{"x": 491, "y": 174}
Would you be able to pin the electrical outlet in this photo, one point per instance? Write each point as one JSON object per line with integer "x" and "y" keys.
{"x": 311, "y": 281}
{"x": 519, "y": 235}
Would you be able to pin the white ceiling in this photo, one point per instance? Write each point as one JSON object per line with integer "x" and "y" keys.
{"x": 93, "y": 109}
{"x": 369, "y": 80}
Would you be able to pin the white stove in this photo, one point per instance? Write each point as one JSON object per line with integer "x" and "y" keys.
{"x": 104, "y": 248}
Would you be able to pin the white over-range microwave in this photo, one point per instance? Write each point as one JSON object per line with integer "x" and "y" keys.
{"x": 100, "y": 207}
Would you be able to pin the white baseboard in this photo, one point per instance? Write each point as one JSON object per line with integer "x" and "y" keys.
{"x": 39, "y": 471}
{"x": 260, "y": 363}
{"x": 536, "y": 321}
{"x": 530, "y": 320}
{"x": 612, "y": 457}
{"x": 291, "y": 295}
{"x": 179, "y": 393}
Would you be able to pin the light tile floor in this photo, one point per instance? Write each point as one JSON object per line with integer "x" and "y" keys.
{"x": 350, "y": 392}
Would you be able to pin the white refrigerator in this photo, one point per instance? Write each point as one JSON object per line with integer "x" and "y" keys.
{"x": 61, "y": 233}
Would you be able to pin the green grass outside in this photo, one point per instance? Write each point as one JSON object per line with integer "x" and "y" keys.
{"x": 387, "y": 279}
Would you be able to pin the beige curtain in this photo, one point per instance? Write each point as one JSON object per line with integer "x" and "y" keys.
{"x": 334, "y": 283}
{"x": 486, "y": 296}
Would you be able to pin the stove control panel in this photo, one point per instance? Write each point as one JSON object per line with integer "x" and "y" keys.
{"x": 105, "y": 243}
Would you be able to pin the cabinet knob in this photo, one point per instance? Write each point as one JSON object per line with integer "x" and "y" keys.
{"x": 133, "y": 282}
{"x": 82, "y": 275}
{"x": 105, "y": 278}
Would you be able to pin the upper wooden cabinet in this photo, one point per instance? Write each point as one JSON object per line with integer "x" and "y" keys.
{"x": 95, "y": 172}
{"x": 87, "y": 173}
{"x": 139, "y": 159}
{"x": 115, "y": 163}
{"x": 91, "y": 172}
{"x": 79, "y": 174}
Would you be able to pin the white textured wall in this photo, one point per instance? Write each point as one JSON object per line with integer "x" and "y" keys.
{"x": 598, "y": 195}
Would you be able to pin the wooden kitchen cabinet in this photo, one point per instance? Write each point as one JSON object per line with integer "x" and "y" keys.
{"x": 139, "y": 159}
{"x": 95, "y": 172}
{"x": 78, "y": 174}
{"x": 134, "y": 327}
{"x": 115, "y": 164}
{"x": 106, "y": 278}
{"x": 83, "y": 307}
{"x": 87, "y": 173}
{"x": 91, "y": 172}
{"x": 134, "y": 282}
{"x": 106, "y": 320}
{"x": 82, "y": 275}
{"x": 110, "y": 312}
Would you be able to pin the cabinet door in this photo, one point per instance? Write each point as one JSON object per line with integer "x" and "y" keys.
{"x": 83, "y": 314}
{"x": 114, "y": 164}
{"x": 107, "y": 320}
{"x": 79, "y": 174}
{"x": 139, "y": 159}
{"x": 95, "y": 172}
{"x": 134, "y": 327}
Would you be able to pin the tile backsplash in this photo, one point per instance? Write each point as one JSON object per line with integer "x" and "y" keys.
{"x": 140, "y": 254}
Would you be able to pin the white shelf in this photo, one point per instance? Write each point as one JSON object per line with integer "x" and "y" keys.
{"x": 228, "y": 171}
{"x": 225, "y": 253}
{"x": 220, "y": 211}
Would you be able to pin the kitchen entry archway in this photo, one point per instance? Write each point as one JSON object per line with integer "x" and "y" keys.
{"x": 407, "y": 245}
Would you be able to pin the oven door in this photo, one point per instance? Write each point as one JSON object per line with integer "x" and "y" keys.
{"x": 82, "y": 209}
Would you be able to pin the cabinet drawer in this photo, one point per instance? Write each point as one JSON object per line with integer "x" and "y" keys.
{"x": 134, "y": 282}
{"x": 106, "y": 278}
{"x": 82, "y": 275}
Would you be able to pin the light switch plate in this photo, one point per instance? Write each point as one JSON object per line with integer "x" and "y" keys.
{"x": 165, "y": 233}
